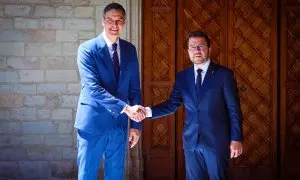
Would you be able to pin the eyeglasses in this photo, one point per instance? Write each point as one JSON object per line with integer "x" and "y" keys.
{"x": 111, "y": 22}
{"x": 200, "y": 47}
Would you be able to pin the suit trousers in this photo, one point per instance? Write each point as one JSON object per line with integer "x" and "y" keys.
{"x": 203, "y": 163}
{"x": 91, "y": 148}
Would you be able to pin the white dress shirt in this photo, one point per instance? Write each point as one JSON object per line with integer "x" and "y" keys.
{"x": 203, "y": 66}
{"x": 110, "y": 48}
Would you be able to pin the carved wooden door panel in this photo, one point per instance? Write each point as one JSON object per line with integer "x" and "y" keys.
{"x": 158, "y": 75}
{"x": 290, "y": 89}
{"x": 265, "y": 59}
{"x": 252, "y": 54}
{"x": 243, "y": 35}
{"x": 192, "y": 15}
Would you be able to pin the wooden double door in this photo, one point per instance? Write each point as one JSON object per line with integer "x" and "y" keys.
{"x": 260, "y": 41}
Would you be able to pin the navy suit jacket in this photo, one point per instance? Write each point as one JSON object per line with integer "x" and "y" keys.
{"x": 213, "y": 118}
{"x": 102, "y": 98}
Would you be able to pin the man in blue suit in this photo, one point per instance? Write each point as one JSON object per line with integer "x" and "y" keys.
{"x": 212, "y": 130}
{"x": 109, "y": 73}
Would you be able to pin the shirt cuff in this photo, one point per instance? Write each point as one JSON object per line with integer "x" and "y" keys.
{"x": 148, "y": 112}
{"x": 124, "y": 109}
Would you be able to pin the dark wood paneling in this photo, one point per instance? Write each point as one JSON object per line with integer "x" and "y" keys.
{"x": 244, "y": 38}
{"x": 290, "y": 91}
{"x": 158, "y": 77}
{"x": 194, "y": 15}
{"x": 252, "y": 54}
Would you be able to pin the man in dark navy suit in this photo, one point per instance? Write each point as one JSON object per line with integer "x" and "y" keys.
{"x": 110, "y": 87}
{"x": 212, "y": 130}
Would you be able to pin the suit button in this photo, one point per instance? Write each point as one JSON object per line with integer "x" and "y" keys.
{"x": 197, "y": 125}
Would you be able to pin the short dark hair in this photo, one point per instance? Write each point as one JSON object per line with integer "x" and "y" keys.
{"x": 200, "y": 34}
{"x": 115, "y": 6}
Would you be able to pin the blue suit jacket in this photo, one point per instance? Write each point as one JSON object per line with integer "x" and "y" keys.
{"x": 102, "y": 98}
{"x": 213, "y": 118}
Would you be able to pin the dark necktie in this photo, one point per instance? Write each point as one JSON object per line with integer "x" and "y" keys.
{"x": 198, "y": 81}
{"x": 116, "y": 61}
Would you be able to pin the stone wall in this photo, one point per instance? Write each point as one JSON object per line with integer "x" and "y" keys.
{"x": 39, "y": 83}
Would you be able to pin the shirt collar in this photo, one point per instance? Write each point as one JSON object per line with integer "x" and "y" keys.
{"x": 108, "y": 42}
{"x": 203, "y": 66}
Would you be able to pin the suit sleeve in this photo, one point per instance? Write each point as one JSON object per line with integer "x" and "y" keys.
{"x": 233, "y": 105}
{"x": 134, "y": 95}
{"x": 90, "y": 79}
{"x": 169, "y": 106}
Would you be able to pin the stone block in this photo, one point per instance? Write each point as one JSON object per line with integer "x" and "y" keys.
{"x": 66, "y": 36}
{"x": 43, "y": 49}
{"x": 6, "y": 23}
{"x": 9, "y": 77}
{"x": 84, "y": 12}
{"x": 11, "y": 100}
{"x": 74, "y": 88}
{"x": 43, "y": 114}
{"x": 62, "y": 114}
{"x": 44, "y": 11}
{"x": 13, "y": 154}
{"x": 34, "y": 169}
{"x": 41, "y": 35}
{"x": 59, "y": 140}
{"x": 9, "y": 169}
{"x": 85, "y": 35}
{"x": 61, "y": 76}
{"x": 23, "y": 114}
{"x": 69, "y": 101}
{"x": 11, "y": 49}
{"x": 51, "y": 23}
{"x": 63, "y": 169}
{"x": 69, "y": 153}
{"x": 39, "y": 128}
{"x": 23, "y": 62}
{"x": 64, "y": 11}
{"x": 17, "y": 10}
{"x": 80, "y": 24}
{"x": 12, "y": 35}
{"x": 4, "y": 113}
{"x": 44, "y": 153}
{"x": 35, "y": 100}
{"x": 70, "y": 49}
{"x": 31, "y": 76}
{"x": 64, "y": 127}
{"x": 51, "y": 88}
{"x": 58, "y": 63}
{"x": 18, "y": 88}
{"x": 10, "y": 127}
{"x": 27, "y": 23}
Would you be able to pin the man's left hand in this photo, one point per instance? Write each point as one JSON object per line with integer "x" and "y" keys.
{"x": 134, "y": 136}
{"x": 236, "y": 149}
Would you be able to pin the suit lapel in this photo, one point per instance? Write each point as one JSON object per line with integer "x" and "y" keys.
{"x": 210, "y": 72}
{"x": 190, "y": 78}
{"x": 105, "y": 57}
{"x": 123, "y": 62}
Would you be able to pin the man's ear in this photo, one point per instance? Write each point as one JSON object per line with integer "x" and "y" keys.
{"x": 102, "y": 21}
{"x": 209, "y": 51}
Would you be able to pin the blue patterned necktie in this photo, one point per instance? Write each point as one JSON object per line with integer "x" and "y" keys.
{"x": 198, "y": 81}
{"x": 116, "y": 61}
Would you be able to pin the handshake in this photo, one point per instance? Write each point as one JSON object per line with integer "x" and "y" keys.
{"x": 136, "y": 113}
